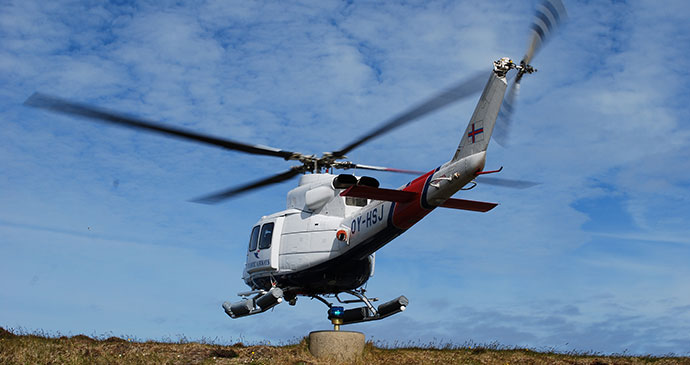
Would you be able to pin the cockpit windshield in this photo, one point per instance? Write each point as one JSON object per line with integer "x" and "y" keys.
{"x": 266, "y": 236}
{"x": 254, "y": 238}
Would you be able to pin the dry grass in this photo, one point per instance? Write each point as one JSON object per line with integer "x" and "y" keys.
{"x": 41, "y": 349}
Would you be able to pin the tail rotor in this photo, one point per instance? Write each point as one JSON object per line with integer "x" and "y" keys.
{"x": 547, "y": 18}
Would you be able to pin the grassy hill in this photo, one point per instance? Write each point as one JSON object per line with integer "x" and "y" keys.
{"x": 80, "y": 349}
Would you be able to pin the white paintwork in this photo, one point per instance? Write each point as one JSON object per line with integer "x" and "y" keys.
{"x": 367, "y": 221}
{"x": 317, "y": 197}
{"x": 315, "y": 194}
{"x": 318, "y": 243}
{"x": 268, "y": 258}
{"x": 307, "y": 235}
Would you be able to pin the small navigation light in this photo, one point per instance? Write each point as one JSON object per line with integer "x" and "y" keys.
{"x": 335, "y": 314}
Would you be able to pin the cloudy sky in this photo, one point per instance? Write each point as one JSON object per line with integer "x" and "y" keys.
{"x": 97, "y": 235}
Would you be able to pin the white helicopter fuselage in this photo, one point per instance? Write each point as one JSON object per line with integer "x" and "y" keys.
{"x": 325, "y": 242}
{"x": 320, "y": 225}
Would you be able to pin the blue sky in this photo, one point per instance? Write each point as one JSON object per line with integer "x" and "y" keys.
{"x": 97, "y": 235}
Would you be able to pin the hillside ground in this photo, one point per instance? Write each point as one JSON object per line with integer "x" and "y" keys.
{"x": 81, "y": 349}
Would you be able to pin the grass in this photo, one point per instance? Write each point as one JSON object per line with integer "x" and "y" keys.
{"x": 40, "y": 348}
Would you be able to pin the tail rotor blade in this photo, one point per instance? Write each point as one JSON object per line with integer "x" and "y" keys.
{"x": 505, "y": 114}
{"x": 548, "y": 16}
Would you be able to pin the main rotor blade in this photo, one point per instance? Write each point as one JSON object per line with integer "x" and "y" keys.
{"x": 219, "y": 196}
{"x": 506, "y": 183}
{"x": 454, "y": 94}
{"x": 38, "y": 100}
{"x": 387, "y": 169}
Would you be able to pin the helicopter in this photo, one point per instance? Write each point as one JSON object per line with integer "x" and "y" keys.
{"x": 324, "y": 243}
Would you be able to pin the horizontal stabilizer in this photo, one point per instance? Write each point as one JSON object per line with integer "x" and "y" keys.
{"x": 472, "y": 205}
{"x": 389, "y": 195}
{"x": 401, "y": 196}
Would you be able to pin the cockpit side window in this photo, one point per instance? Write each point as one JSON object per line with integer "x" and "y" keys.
{"x": 266, "y": 236}
{"x": 254, "y": 238}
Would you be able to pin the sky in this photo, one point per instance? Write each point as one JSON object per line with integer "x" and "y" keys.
{"x": 97, "y": 234}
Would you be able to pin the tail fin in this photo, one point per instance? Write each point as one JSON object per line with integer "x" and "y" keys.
{"x": 478, "y": 133}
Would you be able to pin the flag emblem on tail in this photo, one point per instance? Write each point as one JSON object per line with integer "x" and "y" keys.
{"x": 475, "y": 132}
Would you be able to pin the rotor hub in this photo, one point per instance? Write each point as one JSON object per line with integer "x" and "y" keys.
{"x": 505, "y": 64}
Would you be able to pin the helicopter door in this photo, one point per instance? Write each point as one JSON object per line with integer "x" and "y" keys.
{"x": 264, "y": 245}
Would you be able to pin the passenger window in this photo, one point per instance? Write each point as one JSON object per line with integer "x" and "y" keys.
{"x": 254, "y": 238}
{"x": 266, "y": 236}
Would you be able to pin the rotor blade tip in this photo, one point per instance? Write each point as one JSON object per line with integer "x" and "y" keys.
{"x": 35, "y": 99}
{"x": 204, "y": 200}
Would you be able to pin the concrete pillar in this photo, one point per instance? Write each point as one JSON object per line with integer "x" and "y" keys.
{"x": 341, "y": 346}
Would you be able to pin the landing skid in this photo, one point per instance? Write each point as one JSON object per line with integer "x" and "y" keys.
{"x": 340, "y": 316}
{"x": 258, "y": 301}
{"x": 261, "y": 301}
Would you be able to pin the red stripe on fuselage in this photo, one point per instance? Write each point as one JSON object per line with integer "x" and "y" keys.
{"x": 405, "y": 215}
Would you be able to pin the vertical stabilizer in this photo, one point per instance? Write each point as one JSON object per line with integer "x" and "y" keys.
{"x": 478, "y": 132}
